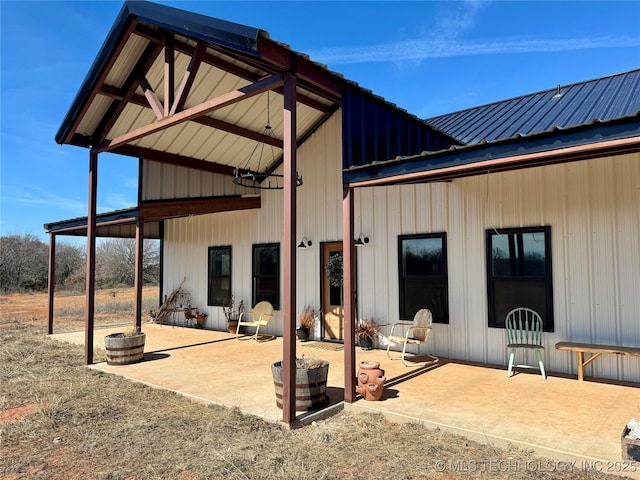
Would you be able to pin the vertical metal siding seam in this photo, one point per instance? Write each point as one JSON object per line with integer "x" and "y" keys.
{"x": 613, "y": 198}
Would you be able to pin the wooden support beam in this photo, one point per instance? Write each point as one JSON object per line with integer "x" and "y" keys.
{"x": 189, "y": 78}
{"x": 152, "y": 98}
{"x": 51, "y": 281}
{"x": 129, "y": 89}
{"x": 139, "y": 272}
{"x": 225, "y": 100}
{"x": 169, "y": 73}
{"x": 91, "y": 258}
{"x": 164, "y": 209}
{"x": 204, "y": 120}
{"x": 289, "y": 241}
{"x": 349, "y": 288}
{"x": 173, "y": 159}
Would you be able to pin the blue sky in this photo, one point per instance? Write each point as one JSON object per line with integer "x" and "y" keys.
{"x": 427, "y": 57}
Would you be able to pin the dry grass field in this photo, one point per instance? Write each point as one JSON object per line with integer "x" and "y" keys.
{"x": 60, "y": 420}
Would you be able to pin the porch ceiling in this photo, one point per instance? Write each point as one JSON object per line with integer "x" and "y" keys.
{"x": 159, "y": 63}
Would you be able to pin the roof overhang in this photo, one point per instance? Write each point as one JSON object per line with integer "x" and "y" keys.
{"x": 557, "y": 146}
{"x": 122, "y": 223}
{"x": 210, "y": 84}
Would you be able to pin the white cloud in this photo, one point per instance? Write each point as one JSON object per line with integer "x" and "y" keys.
{"x": 421, "y": 49}
{"x": 447, "y": 38}
{"x": 38, "y": 196}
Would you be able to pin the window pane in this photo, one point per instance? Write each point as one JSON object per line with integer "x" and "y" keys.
{"x": 426, "y": 294}
{"x": 519, "y": 255}
{"x": 520, "y": 273}
{"x": 422, "y": 256}
{"x": 335, "y": 297}
{"x": 219, "y": 290}
{"x": 266, "y": 274}
{"x": 219, "y": 287}
{"x": 266, "y": 260}
{"x": 220, "y": 262}
{"x": 510, "y": 295}
{"x": 423, "y": 276}
{"x": 266, "y": 289}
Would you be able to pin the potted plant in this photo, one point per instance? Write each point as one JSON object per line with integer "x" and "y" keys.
{"x": 232, "y": 313}
{"x": 366, "y": 331}
{"x": 311, "y": 383}
{"x": 201, "y": 317}
{"x": 307, "y": 319}
{"x": 124, "y": 348}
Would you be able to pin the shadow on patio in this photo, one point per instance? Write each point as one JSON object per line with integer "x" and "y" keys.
{"x": 560, "y": 418}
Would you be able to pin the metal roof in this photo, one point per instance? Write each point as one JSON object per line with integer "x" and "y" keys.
{"x": 585, "y": 120}
{"x": 568, "y": 106}
{"x": 128, "y": 80}
{"x": 115, "y": 224}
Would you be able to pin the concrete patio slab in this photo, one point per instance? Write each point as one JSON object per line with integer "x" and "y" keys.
{"x": 559, "y": 418}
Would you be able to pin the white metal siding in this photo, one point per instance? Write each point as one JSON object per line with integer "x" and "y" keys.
{"x": 161, "y": 181}
{"x": 593, "y": 208}
{"x": 319, "y": 219}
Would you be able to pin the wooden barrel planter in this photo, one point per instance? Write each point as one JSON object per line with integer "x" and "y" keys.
{"x": 124, "y": 350}
{"x": 311, "y": 384}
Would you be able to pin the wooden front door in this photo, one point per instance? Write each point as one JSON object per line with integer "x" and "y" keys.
{"x": 332, "y": 297}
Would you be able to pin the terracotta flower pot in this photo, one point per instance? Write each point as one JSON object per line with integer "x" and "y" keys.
{"x": 370, "y": 380}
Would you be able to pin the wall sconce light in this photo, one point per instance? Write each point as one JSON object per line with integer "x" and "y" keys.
{"x": 361, "y": 241}
{"x": 305, "y": 242}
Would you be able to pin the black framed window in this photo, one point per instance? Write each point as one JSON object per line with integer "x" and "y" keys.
{"x": 423, "y": 275}
{"x": 519, "y": 273}
{"x": 266, "y": 274}
{"x": 219, "y": 288}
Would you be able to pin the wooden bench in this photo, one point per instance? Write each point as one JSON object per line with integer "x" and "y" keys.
{"x": 595, "y": 351}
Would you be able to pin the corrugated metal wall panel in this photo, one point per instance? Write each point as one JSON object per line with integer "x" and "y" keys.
{"x": 163, "y": 181}
{"x": 593, "y": 208}
{"x": 375, "y": 131}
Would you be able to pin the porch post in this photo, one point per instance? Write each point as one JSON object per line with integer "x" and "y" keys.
{"x": 289, "y": 242}
{"x": 51, "y": 280}
{"x": 348, "y": 286}
{"x": 91, "y": 258}
{"x": 139, "y": 272}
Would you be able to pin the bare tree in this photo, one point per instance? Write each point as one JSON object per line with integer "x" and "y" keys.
{"x": 70, "y": 263}
{"x": 115, "y": 262}
{"x": 23, "y": 263}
